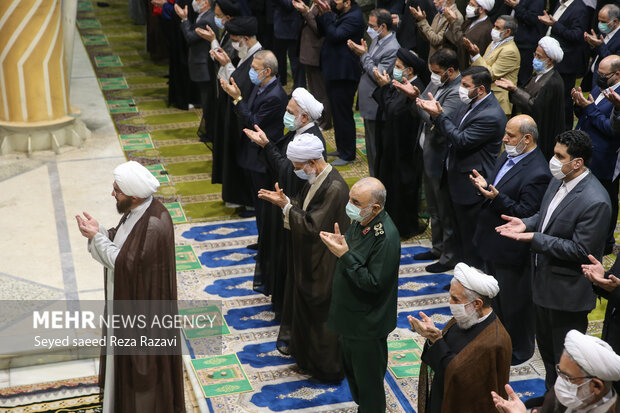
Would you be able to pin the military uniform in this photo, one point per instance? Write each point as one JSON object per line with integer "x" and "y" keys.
{"x": 363, "y": 307}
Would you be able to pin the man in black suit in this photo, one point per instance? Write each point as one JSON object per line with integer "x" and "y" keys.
{"x": 474, "y": 134}
{"x": 265, "y": 107}
{"x": 515, "y": 187}
{"x": 341, "y": 67}
{"x": 603, "y": 45}
{"x": 567, "y": 25}
{"x": 571, "y": 223}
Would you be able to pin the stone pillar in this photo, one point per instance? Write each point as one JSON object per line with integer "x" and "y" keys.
{"x": 34, "y": 87}
{"x": 69, "y": 14}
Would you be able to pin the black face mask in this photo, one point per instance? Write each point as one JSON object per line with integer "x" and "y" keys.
{"x": 602, "y": 82}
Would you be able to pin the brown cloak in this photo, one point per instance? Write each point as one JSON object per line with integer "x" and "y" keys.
{"x": 145, "y": 269}
{"x": 483, "y": 365}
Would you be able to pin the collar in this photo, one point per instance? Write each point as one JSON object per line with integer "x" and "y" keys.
{"x": 262, "y": 88}
{"x": 501, "y": 42}
{"x": 321, "y": 177}
{"x": 412, "y": 79}
{"x": 366, "y": 228}
{"x": 139, "y": 210}
{"x": 570, "y": 185}
{"x": 516, "y": 159}
{"x": 609, "y": 35}
{"x": 383, "y": 40}
{"x": 201, "y": 14}
{"x": 612, "y": 87}
{"x": 539, "y": 75}
{"x": 481, "y": 319}
{"x": 304, "y": 128}
{"x": 566, "y": 4}
{"x": 476, "y": 103}
{"x": 602, "y": 406}
{"x": 478, "y": 20}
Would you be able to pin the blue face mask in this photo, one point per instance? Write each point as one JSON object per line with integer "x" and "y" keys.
{"x": 301, "y": 174}
{"x": 218, "y": 22}
{"x": 254, "y": 77}
{"x": 355, "y": 213}
{"x": 538, "y": 65}
{"x": 397, "y": 74}
{"x": 289, "y": 121}
{"x": 603, "y": 27}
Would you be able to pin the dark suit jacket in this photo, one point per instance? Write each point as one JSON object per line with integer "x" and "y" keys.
{"x": 286, "y": 20}
{"x": 599, "y": 52}
{"x": 577, "y": 227}
{"x": 568, "y": 30}
{"x": 611, "y": 324}
{"x": 521, "y": 191}
{"x": 265, "y": 110}
{"x": 594, "y": 120}
{"x": 530, "y": 28}
{"x": 199, "y": 48}
{"x": 338, "y": 62}
{"x": 474, "y": 144}
{"x": 310, "y": 43}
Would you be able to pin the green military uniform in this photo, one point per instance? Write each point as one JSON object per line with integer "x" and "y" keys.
{"x": 363, "y": 307}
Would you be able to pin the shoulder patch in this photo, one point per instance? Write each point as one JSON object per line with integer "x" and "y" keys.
{"x": 365, "y": 231}
{"x": 379, "y": 229}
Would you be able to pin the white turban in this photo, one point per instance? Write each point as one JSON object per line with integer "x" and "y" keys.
{"x": 486, "y": 4}
{"x": 552, "y": 48}
{"x": 593, "y": 355}
{"x": 305, "y": 147}
{"x": 308, "y": 103}
{"x": 134, "y": 179}
{"x": 475, "y": 280}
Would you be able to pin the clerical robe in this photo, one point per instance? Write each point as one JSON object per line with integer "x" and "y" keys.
{"x": 315, "y": 208}
{"x": 543, "y": 100}
{"x": 139, "y": 260}
{"x": 398, "y": 162}
{"x": 271, "y": 268}
{"x": 467, "y": 365}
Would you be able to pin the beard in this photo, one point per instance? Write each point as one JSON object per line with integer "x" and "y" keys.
{"x": 467, "y": 322}
{"x": 123, "y": 206}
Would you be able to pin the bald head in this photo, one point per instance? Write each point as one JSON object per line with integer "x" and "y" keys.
{"x": 522, "y": 133}
{"x": 368, "y": 194}
{"x": 611, "y": 62}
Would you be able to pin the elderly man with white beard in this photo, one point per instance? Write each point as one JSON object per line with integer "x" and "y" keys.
{"x": 586, "y": 371}
{"x": 471, "y": 356}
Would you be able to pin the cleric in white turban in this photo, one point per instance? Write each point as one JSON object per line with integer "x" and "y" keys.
{"x": 475, "y": 280}
{"x": 133, "y": 179}
{"x": 304, "y": 147}
{"x": 552, "y": 48}
{"x": 486, "y": 4}
{"x": 307, "y": 103}
{"x": 471, "y": 355}
{"x": 138, "y": 260}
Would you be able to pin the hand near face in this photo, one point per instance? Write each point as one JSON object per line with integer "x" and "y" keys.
{"x": 323, "y": 6}
{"x": 546, "y": 19}
{"x": 592, "y": 39}
{"x": 300, "y": 6}
{"x": 181, "y": 12}
{"x": 417, "y": 13}
{"x": 220, "y": 56}
{"x": 449, "y": 14}
{"x": 381, "y": 78}
{"x": 613, "y": 97}
{"x": 425, "y": 327}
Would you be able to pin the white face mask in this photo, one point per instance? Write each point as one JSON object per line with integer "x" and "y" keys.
{"x": 470, "y": 11}
{"x": 514, "y": 150}
{"x": 570, "y": 394}
{"x": 436, "y": 79}
{"x": 196, "y": 6}
{"x": 555, "y": 166}
{"x": 496, "y": 35}
{"x": 464, "y": 95}
{"x": 464, "y": 318}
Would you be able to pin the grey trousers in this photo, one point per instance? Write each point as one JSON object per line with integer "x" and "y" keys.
{"x": 371, "y": 147}
{"x": 316, "y": 86}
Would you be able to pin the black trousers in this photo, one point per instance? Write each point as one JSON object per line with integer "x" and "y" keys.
{"x": 316, "y": 86}
{"x": 569, "y": 84}
{"x": 443, "y": 233}
{"x": 466, "y": 220}
{"x": 612, "y": 190}
{"x": 527, "y": 54}
{"x": 282, "y": 47}
{"x": 514, "y": 307}
{"x": 365, "y": 364}
{"x": 341, "y": 94}
{"x": 257, "y": 181}
{"x": 551, "y": 329}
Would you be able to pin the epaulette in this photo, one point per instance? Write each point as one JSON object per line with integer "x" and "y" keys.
{"x": 379, "y": 231}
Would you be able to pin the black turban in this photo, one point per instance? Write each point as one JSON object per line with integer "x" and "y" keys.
{"x": 229, "y": 7}
{"x": 410, "y": 59}
{"x": 242, "y": 26}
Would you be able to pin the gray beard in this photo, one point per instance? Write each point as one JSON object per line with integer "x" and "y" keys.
{"x": 469, "y": 322}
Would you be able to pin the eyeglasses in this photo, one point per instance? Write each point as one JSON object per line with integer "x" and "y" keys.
{"x": 568, "y": 377}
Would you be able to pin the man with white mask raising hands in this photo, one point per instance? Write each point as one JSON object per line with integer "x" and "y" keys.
{"x": 471, "y": 356}
{"x": 586, "y": 371}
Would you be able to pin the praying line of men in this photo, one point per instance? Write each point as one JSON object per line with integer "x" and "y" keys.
{"x": 537, "y": 216}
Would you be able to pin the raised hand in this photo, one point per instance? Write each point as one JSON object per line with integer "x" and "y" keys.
{"x": 596, "y": 274}
{"x": 431, "y": 106}
{"x": 335, "y": 241}
{"x": 358, "y": 49}
{"x": 257, "y": 136}
{"x": 407, "y": 88}
{"x": 88, "y": 226}
{"x": 181, "y": 12}
{"x": 300, "y": 6}
{"x": 511, "y": 3}
{"x": 471, "y": 48}
{"x": 515, "y": 229}
{"x": 546, "y": 19}
{"x": 613, "y": 97}
{"x": 512, "y": 405}
{"x": 276, "y": 197}
{"x": 449, "y": 14}
{"x": 592, "y": 39}
{"x": 323, "y": 6}
{"x": 424, "y": 327}
{"x": 220, "y": 55}
{"x": 206, "y": 33}
{"x": 580, "y": 99}
{"x": 230, "y": 88}
{"x": 417, "y": 13}
{"x": 506, "y": 84}
{"x": 381, "y": 78}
